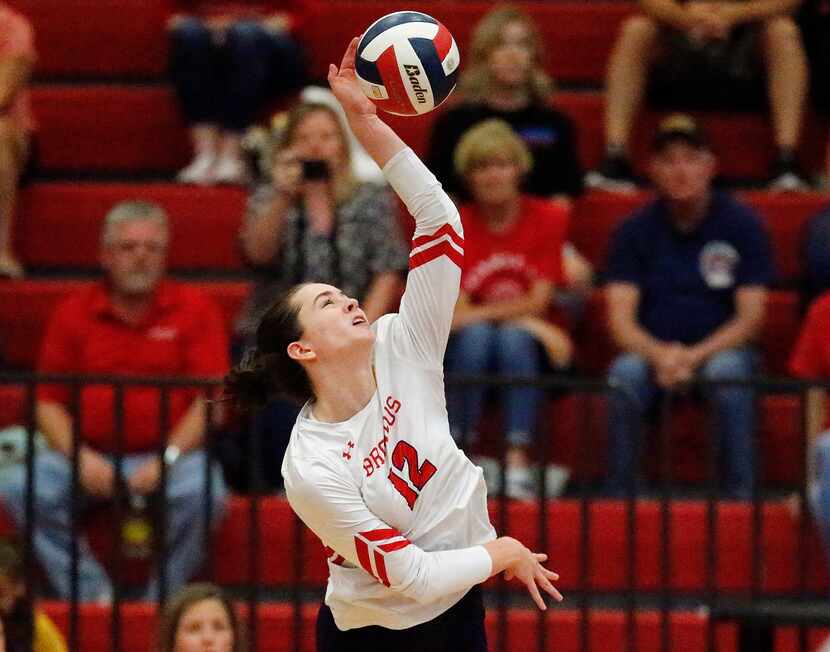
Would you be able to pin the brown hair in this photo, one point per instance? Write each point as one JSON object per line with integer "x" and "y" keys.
{"x": 266, "y": 370}
{"x": 344, "y": 179}
{"x": 488, "y": 139}
{"x": 476, "y": 82}
{"x": 176, "y": 607}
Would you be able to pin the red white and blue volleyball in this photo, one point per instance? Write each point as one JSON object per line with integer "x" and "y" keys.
{"x": 407, "y": 63}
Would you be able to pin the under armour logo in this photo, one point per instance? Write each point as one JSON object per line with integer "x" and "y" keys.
{"x": 346, "y": 452}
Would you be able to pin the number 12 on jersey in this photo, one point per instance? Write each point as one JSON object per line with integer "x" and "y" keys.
{"x": 405, "y": 457}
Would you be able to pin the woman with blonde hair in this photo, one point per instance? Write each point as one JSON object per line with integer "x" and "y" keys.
{"x": 502, "y": 321}
{"x": 504, "y": 78}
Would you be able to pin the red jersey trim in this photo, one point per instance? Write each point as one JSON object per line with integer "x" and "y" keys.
{"x": 430, "y": 254}
{"x": 378, "y": 552}
{"x": 444, "y": 230}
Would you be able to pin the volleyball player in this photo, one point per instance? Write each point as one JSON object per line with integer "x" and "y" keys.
{"x": 371, "y": 467}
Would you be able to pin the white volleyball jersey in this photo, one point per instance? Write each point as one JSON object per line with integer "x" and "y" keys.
{"x": 400, "y": 509}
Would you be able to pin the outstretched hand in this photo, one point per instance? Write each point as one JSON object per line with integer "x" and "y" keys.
{"x": 530, "y": 572}
{"x": 346, "y": 89}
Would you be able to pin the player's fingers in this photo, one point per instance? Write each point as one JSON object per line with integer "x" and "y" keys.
{"x": 549, "y": 588}
{"x": 551, "y": 575}
{"x": 348, "y": 56}
{"x": 534, "y": 593}
{"x": 540, "y": 556}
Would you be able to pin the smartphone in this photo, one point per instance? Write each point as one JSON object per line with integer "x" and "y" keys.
{"x": 315, "y": 170}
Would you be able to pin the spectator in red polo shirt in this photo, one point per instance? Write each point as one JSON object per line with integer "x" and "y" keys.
{"x": 512, "y": 265}
{"x": 811, "y": 360}
{"x": 134, "y": 323}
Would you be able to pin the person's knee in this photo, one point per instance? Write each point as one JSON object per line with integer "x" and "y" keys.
{"x": 190, "y": 30}
{"x": 781, "y": 31}
{"x": 629, "y": 369}
{"x": 475, "y": 336}
{"x": 820, "y": 454}
{"x": 244, "y": 35}
{"x": 729, "y": 364}
{"x": 639, "y": 31}
{"x": 515, "y": 340}
{"x": 13, "y": 489}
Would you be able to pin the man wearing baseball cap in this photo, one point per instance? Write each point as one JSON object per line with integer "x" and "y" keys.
{"x": 687, "y": 276}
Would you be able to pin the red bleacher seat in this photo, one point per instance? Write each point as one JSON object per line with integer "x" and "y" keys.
{"x": 205, "y": 223}
{"x": 12, "y": 405}
{"x": 77, "y": 40}
{"x": 137, "y": 129}
{"x": 605, "y": 563}
{"x": 25, "y": 307}
{"x": 106, "y": 38}
{"x": 108, "y": 127}
{"x": 597, "y": 215}
{"x": 606, "y": 629}
{"x": 53, "y": 213}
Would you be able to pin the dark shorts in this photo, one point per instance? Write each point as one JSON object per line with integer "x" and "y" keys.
{"x": 459, "y": 629}
{"x": 708, "y": 75}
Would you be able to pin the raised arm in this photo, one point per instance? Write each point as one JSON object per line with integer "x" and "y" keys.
{"x": 421, "y": 330}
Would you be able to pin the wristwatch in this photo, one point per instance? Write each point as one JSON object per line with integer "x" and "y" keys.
{"x": 171, "y": 454}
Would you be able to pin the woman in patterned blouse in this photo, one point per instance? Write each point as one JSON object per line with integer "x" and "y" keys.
{"x": 315, "y": 221}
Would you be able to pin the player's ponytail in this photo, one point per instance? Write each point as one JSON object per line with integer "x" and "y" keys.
{"x": 266, "y": 371}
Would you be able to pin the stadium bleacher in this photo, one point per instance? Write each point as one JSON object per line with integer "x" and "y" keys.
{"x": 109, "y": 129}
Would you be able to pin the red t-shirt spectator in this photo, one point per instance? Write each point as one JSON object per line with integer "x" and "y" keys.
{"x": 17, "y": 40}
{"x": 183, "y": 334}
{"x": 503, "y": 266}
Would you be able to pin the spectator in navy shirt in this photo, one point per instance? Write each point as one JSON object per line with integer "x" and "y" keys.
{"x": 687, "y": 278}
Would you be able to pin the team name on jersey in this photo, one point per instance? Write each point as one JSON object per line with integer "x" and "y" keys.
{"x": 377, "y": 456}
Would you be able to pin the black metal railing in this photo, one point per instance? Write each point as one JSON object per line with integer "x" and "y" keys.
{"x": 755, "y": 606}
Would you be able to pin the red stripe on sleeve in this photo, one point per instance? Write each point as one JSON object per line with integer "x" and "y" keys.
{"x": 446, "y": 229}
{"x": 380, "y": 534}
{"x": 363, "y": 555}
{"x": 442, "y": 249}
{"x": 381, "y": 565}
{"x": 395, "y": 545}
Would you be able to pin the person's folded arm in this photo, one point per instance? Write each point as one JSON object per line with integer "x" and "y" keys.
{"x": 744, "y": 327}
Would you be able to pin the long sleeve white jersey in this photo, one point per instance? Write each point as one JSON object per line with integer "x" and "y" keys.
{"x": 400, "y": 509}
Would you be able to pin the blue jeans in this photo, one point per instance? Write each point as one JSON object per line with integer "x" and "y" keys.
{"x": 227, "y": 82}
{"x": 52, "y": 531}
{"x": 734, "y": 409}
{"x": 818, "y": 487}
{"x": 492, "y": 348}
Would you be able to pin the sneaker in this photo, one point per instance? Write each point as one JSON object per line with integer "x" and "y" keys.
{"x": 614, "y": 175}
{"x": 199, "y": 172}
{"x": 786, "y": 177}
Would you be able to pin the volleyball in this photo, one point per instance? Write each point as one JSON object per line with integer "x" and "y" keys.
{"x": 407, "y": 63}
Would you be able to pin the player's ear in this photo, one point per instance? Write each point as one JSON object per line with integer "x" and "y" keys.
{"x": 300, "y": 352}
